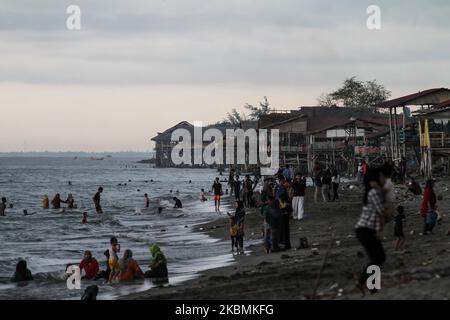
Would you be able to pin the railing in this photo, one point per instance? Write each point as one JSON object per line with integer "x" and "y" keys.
{"x": 439, "y": 140}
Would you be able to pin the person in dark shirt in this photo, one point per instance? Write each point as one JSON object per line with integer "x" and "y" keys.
{"x": 398, "y": 228}
{"x": 217, "y": 189}
{"x": 248, "y": 191}
{"x": 237, "y": 188}
{"x": 2, "y": 206}
{"x": 22, "y": 272}
{"x": 96, "y": 199}
{"x": 414, "y": 187}
{"x": 56, "y": 202}
{"x": 178, "y": 203}
{"x": 240, "y": 220}
{"x": 286, "y": 211}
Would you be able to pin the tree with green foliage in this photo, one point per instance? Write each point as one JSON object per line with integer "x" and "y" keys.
{"x": 235, "y": 117}
{"x": 356, "y": 93}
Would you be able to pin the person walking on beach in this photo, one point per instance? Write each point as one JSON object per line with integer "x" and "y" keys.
{"x": 237, "y": 188}
{"x": 317, "y": 181}
{"x": 298, "y": 188}
{"x": 240, "y": 220}
{"x": 45, "y": 202}
{"x": 266, "y": 212}
{"x": 398, "y": 228}
{"x": 335, "y": 181}
{"x": 96, "y": 199}
{"x": 248, "y": 191}
{"x": 3, "y": 206}
{"x": 428, "y": 207}
{"x": 217, "y": 189}
{"x": 286, "y": 212}
{"x": 234, "y": 228}
{"x": 231, "y": 181}
{"x": 326, "y": 183}
{"x": 369, "y": 224}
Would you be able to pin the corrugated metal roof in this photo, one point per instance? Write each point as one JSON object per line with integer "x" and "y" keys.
{"x": 409, "y": 99}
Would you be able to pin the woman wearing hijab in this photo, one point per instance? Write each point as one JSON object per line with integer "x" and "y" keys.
{"x": 90, "y": 266}
{"x": 158, "y": 268}
{"x": 22, "y": 273}
{"x": 45, "y": 202}
{"x": 129, "y": 268}
{"x": 56, "y": 202}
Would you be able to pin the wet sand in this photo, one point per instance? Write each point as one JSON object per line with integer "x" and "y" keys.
{"x": 422, "y": 272}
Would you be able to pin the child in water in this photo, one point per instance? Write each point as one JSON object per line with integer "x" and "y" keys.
{"x": 45, "y": 202}
{"x": 202, "y": 195}
{"x": 147, "y": 200}
{"x": 84, "y": 220}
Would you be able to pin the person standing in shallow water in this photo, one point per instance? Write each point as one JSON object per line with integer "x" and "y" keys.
{"x": 97, "y": 199}
{"x": 147, "y": 200}
{"x": 3, "y": 206}
{"x": 217, "y": 189}
{"x": 370, "y": 223}
{"x": 45, "y": 202}
{"x": 56, "y": 202}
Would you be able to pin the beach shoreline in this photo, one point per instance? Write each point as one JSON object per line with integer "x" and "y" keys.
{"x": 419, "y": 273}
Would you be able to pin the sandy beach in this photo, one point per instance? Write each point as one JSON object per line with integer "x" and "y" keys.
{"x": 421, "y": 272}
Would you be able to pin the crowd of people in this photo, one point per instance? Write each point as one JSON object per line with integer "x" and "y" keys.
{"x": 281, "y": 199}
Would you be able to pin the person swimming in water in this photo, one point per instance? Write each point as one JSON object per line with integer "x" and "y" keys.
{"x": 147, "y": 200}
{"x": 70, "y": 201}
{"x": 178, "y": 203}
{"x": 3, "y": 206}
{"x": 56, "y": 202}
{"x": 84, "y": 220}
{"x": 45, "y": 202}
{"x": 97, "y": 199}
{"x": 22, "y": 272}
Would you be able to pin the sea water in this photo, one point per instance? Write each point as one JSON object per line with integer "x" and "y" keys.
{"x": 50, "y": 239}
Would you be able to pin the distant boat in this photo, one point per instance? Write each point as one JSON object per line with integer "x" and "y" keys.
{"x": 94, "y": 158}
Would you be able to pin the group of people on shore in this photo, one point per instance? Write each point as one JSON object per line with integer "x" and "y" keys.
{"x": 325, "y": 182}
{"x": 282, "y": 199}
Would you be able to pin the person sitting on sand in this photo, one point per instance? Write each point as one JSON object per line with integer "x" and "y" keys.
{"x": 45, "y": 202}
{"x": 90, "y": 266}
{"x": 129, "y": 268}
{"x": 22, "y": 272}
{"x": 178, "y": 203}
{"x": 158, "y": 267}
{"x": 56, "y": 202}
{"x": 398, "y": 228}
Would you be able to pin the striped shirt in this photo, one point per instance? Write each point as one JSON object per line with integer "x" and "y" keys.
{"x": 371, "y": 212}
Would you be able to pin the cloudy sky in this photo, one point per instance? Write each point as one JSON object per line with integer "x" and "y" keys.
{"x": 137, "y": 67}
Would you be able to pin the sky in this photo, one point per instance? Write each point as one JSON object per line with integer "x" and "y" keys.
{"x": 137, "y": 67}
